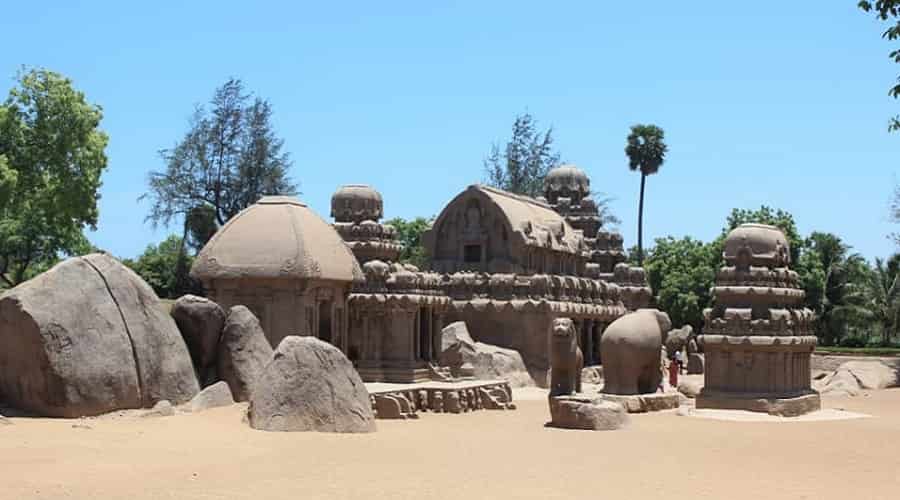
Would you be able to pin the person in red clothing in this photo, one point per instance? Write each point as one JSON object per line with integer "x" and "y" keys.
{"x": 673, "y": 373}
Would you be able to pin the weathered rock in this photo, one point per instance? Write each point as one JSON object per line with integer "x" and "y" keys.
{"x": 160, "y": 409}
{"x": 871, "y": 375}
{"x": 89, "y": 337}
{"x": 214, "y": 396}
{"x": 456, "y": 332}
{"x": 310, "y": 386}
{"x": 466, "y": 357}
{"x": 690, "y": 386}
{"x": 243, "y": 352}
{"x": 576, "y": 412}
{"x": 838, "y": 383}
{"x": 643, "y": 403}
{"x": 200, "y": 321}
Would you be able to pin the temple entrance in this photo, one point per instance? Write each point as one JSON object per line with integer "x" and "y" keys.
{"x": 472, "y": 254}
{"x": 325, "y": 321}
{"x": 424, "y": 334}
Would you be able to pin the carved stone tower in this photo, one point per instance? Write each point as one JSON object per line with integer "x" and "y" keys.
{"x": 758, "y": 336}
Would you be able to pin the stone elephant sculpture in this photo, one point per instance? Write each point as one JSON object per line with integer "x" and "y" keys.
{"x": 631, "y": 347}
{"x": 566, "y": 360}
{"x": 678, "y": 339}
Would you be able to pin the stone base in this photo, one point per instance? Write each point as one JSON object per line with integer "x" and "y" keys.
{"x": 586, "y": 413}
{"x": 642, "y": 403}
{"x": 790, "y": 406}
{"x": 407, "y": 401}
{"x": 394, "y": 375}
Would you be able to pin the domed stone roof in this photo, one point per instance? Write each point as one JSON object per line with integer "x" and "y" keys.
{"x": 278, "y": 237}
{"x": 356, "y": 203}
{"x": 757, "y": 245}
{"x": 566, "y": 180}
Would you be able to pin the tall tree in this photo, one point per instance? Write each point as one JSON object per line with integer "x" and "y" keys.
{"x": 883, "y": 297}
{"x": 646, "y": 150}
{"x": 52, "y": 154}
{"x": 228, "y": 158}
{"x": 832, "y": 277}
{"x": 160, "y": 266}
{"x": 888, "y": 10}
{"x": 521, "y": 166}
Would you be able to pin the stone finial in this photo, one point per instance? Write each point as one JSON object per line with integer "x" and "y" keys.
{"x": 566, "y": 181}
{"x": 356, "y": 203}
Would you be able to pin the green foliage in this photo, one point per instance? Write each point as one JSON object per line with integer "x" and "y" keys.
{"x": 888, "y": 10}
{"x": 681, "y": 273}
{"x": 52, "y": 154}
{"x": 833, "y": 279}
{"x": 646, "y": 149}
{"x": 227, "y": 160}
{"x": 764, "y": 215}
{"x": 523, "y": 164}
{"x": 409, "y": 232}
{"x": 160, "y": 267}
{"x": 840, "y": 287}
{"x": 881, "y": 295}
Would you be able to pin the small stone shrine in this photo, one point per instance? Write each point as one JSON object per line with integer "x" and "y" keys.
{"x": 396, "y": 314}
{"x": 758, "y": 337}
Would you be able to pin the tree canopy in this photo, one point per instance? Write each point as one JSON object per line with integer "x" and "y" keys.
{"x": 521, "y": 166}
{"x": 52, "y": 155}
{"x": 160, "y": 266}
{"x": 888, "y": 10}
{"x": 229, "y": 157}
{"x": 409, "y": 232}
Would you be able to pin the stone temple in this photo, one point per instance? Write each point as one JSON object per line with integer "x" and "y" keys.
{"x": 758, "y": 337}
{"x": 506, "y": 264}
{"x": 513, "y": 264}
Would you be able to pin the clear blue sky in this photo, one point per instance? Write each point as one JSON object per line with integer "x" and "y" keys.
{"x": 778, "y": 103}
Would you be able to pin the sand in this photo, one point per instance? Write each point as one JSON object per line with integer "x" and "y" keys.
{"x": 481, "y": 455}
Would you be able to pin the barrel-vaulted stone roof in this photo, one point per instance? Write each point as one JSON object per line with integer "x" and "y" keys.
{"x": 533, "y": 221}
{"x": 278, "y": 237}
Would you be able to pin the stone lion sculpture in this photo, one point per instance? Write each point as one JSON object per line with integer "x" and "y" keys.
{"x": 566, "y": 360}
{"x": 631, "y": 347}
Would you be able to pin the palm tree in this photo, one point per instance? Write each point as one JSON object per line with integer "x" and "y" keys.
{"x": 646, "y": 152}
{"x": 884, "y": 297}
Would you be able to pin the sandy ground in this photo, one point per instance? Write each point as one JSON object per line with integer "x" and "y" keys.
{"x": 480, "y": 455}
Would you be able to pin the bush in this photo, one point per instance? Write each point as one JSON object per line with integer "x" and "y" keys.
{"x": 853, "y": 342}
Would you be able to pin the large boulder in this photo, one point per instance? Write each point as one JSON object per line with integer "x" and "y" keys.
{"x": 214, "y": 396}
{"x": 200, "y": 321}
{"x": 455, "y": 333}
{"x": 852, "y": 377}
{"x": 482, "y": 361}
{"x": 310, "y": 386}
{"x": 577, "y": 412}
{"x": 871, "y": 374}
{"x": 243, "y": 352}
{"x": 89, "y": 337}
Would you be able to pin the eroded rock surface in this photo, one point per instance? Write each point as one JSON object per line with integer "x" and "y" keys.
{"x": 214, "y": 396}
{"x": 310, "y": 386}
{"x": 200, "y": 321}
{"x": 243, "y": 352}
{"x": 465, "y": 357}
{"x": 89, "y": 337}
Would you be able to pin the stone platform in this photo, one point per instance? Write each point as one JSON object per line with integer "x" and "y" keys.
{"x": 643, "y": 403}
{"x": 407, "y": 401}
{"x": 794, "y": 406}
